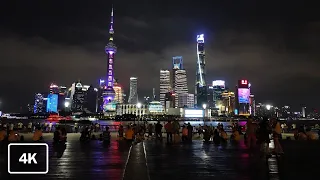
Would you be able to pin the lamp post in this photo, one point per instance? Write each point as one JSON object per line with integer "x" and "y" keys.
{"x": 139, "y": 109}
{"x": 268, "y": 107}
{"x": 204, "y": 106}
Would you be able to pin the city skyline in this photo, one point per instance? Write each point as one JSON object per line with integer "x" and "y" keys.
{"x": 77, "y": 49}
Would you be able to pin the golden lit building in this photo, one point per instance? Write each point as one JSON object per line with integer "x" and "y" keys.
{"x": 118, "y": 93}
{"x": 228, "y": 103}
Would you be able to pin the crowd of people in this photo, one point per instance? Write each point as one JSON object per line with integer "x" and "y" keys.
{"x": 257, "y": 134}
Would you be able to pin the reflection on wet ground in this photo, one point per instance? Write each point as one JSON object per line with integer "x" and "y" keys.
{"x": 155, "y": 161}
{"x": 83, "y": 161}
{"x": 204, "y": 161}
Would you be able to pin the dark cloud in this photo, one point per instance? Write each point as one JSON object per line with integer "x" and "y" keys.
{"x": 278, "y": 52}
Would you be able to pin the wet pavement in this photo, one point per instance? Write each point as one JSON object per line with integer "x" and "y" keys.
{"x": 81, "y": 161}
{"x": 155, "y": 161}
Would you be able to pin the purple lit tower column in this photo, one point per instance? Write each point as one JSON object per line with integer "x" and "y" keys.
{"x": 111, "y": 49}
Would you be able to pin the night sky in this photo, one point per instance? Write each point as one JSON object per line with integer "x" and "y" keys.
{"x": 273, "y": 44}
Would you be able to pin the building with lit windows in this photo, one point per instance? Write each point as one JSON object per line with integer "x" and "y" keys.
{"x": 227, "y": 106}
{"x": 215, "y": 93}
{"x": 180, "y": 84}
{"x": 78, "y": 100}
{"x": 133, "y": 95}
{"x": 186, "y": 100}
{"x": 132, "y": 109}
{"x": 39, "y": 106}
{"x": 201, "y": 87}
{"x": 165, "y": 85}
{"x": 155, "y": 108}
{"x": 118, "y": 93}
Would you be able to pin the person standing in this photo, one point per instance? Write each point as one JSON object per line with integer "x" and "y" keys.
{"x": 190, "y": 131}
{"x": 263, "y": 136}
{"x": 37, "y": 136}
{"x": 277, "y": 136}
{"x": 251, "y": 133}
{"x": 169, "y": 129}
{"x": 158, "y": 131}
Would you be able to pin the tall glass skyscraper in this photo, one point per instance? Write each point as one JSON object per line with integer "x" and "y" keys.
{"x": 179, "y": 79}
{"x": 133, "y": 96}
{"x": 165, "y": 85}
{"x": 180, "y": 85}
{"x": 201, "y": 87}
{"x": 111, "y": 50}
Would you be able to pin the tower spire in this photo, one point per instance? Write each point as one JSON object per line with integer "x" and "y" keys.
{"x": 111, "y": 32}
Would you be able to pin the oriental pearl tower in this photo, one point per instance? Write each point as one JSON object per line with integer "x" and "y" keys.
{"x": 110, "y": 49}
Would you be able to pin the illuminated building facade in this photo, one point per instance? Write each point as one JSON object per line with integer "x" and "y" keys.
{"x": 177, "y": 64}
{"x": 39, "y": 106}
{"x": 243, "y": 98}
{"x": 186, "y": 100}
{"x": 132, "y": 109}
{"x": 155, "y": 108}
{"x": 78, "y": 100}
{"x": 111, "y": 50}
{"x": 180, "y": 85}
{"x": 52, "y": 103}
{"x": 215, "y": 93}
{"x": 118, "y": 93}
{"x": 133, "y": 96}
{"x": 201, "y": 88}
{"x": 165, "y": 85}
{"x": 227, "y": 106}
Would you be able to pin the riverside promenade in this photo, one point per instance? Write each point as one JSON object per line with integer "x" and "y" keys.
{"x": 155, "y": 161}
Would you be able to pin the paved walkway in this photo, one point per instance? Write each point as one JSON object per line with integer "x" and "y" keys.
{"x": 155, "y": 161}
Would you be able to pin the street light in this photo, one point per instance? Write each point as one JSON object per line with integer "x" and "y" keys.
{"x": 66, "y": 104}
{"x": 204, "y": 106}
{"x": 138, "y": 107}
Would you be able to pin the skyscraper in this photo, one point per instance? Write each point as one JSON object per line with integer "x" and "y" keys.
{"x": 243, "y": 98}
{"x": 165, "y": 85}
{"x": 201, "y": 88}
{"x": 186, "y": 100}
{"x": 52, "y": 103}
{"x": 78, "y": 100}
{"x": 133, "y": 96}
{"x": 180, "y": 84}
{"x": 38, "y": 103}
{"x": 111, "y": 50}
{"x": 91, "y": 100}
{"x": 118, "y": 93}
{"x": 179, "y": 79}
